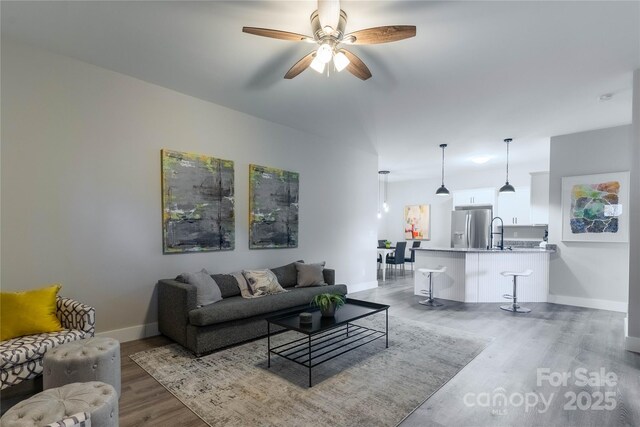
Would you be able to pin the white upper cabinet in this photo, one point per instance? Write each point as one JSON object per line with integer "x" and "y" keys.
{"x": 540, "y": 197}
{"x": 515, "y": 208}
{"x": 475, "y": 196}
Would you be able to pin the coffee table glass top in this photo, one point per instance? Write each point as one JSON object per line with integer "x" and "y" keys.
{"x": 352, "y": 310}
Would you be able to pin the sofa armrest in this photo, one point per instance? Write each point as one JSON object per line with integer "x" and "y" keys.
{"x": 175, "y": 301}
{"x": 75, "y": 315}
{"x": 329, "y": 276}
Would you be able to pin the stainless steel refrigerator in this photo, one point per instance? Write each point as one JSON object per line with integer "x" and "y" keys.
{"x": 470, "y": 226}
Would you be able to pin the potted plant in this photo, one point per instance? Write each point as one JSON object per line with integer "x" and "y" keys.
{"x": 328, "y": 303}
{"x": 387, "y": 244}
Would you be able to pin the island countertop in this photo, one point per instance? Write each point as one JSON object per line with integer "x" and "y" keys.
{"x": 487, "y": 251}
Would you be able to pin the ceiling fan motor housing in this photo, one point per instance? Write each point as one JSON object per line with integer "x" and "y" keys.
{"x": 318, "y": 31}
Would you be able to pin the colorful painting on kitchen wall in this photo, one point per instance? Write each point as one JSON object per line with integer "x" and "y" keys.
{"x": 417, "y": 222}
{"x": 197, "y": 203}
{"x": 595, "y": 207}
{"x": 273, "y": 208}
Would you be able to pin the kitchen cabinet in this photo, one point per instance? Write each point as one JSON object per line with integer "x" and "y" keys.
{"x": 540, "y": 197}
{"x": 515, "y": 208}
{"x": 475, "y": 196}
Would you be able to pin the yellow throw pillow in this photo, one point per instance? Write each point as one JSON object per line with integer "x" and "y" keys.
{"x": 28, "y": 312}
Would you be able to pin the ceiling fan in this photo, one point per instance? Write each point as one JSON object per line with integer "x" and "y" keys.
{"x": 328, "y": 23}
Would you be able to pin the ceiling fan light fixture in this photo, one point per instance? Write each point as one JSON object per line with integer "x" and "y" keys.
{"x": 328, "y": 25}
{"x": 324, "y": 53}
{"x": 317, "y": 65}
{"x": 341, "y": 61}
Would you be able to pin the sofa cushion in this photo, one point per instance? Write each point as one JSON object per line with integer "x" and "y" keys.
{"x": 262, "y": 282}
{"x": 29, "y": 312}
{"x": 241, "y": 308}
{"x": 287, "y": 274}
{"x": 207, "y": 290}
{"x": 310, "y": 275}
{"x": 20, "y": 350}
{"x": 227, "y": 284}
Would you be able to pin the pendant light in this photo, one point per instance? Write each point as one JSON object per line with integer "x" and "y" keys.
{"x": 385, "y": 186}
{"x": 442, "y": 190}
{"x": 507, "y": 188}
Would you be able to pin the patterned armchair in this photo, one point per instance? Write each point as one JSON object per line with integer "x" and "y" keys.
{"x": 21, "y": 358}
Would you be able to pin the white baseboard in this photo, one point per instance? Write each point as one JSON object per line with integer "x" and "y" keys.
{"x": 601, "y": 304}
{"x": 362, "y": 286}
{"x": 132, "y": 333}
{"x": 630, "y": 343}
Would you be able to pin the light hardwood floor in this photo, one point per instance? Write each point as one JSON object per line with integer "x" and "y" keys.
{"x": 560, "y": 338}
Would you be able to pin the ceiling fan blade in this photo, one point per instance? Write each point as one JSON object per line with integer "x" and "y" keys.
{"x": 376, "y": 35}
{"x": 329, "y": 13}
{"x": 356, "y": 66}
{"x": 300, "y": 66}
{"x": 277, "y": 34}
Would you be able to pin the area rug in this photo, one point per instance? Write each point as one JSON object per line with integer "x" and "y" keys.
{"x": 369, "y": 386}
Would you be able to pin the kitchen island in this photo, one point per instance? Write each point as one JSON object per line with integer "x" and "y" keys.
{"x": 473, "y": 275}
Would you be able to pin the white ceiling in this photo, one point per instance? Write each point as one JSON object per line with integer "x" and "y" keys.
{"x": 476, "y": 72}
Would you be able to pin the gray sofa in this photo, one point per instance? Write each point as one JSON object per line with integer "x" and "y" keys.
{"x": 234, "y": 319}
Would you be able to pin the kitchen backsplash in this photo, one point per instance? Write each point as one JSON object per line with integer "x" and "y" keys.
{"x": 522, "y": 243}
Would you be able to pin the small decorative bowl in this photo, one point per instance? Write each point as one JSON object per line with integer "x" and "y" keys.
{"x": 306, "y": 318}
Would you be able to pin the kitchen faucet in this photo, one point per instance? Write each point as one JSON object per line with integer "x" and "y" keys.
{"x": 501, "y": 233}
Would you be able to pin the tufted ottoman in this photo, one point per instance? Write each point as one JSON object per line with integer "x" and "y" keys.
{"x": 93, "y": 359}
{"x": 98, "y": 399}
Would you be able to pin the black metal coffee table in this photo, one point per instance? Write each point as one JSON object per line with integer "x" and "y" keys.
{"x": 326, "y": 338}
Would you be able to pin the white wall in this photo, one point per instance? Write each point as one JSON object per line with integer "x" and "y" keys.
{"x": 81, "y": 199}
{"x": 633, "y": 318}
{"x": 590, "y": 274}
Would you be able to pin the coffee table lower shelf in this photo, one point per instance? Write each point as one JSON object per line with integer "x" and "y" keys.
{"x": 316, "y": 349}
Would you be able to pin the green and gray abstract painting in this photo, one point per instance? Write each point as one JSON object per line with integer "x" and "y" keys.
{"x": 273, "y": 208}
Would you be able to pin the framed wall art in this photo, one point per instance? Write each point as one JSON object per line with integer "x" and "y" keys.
{"x": 273, "y": 208}
{"x": 197, "y": 203}
{"x": 417, "y": 222}
{"x": 595, "y": 208}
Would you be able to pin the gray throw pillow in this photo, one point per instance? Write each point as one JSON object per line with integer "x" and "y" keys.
{"x": 287, "y": 275}
{"x": 208, "y": 291}
{"x": 310, "y": 275}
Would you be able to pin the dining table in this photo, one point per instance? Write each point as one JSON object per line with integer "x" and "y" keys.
{"x": 384, "y": 251}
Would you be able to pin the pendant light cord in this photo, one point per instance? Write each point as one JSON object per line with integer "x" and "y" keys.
{"x": 443, "y": 166}
{"x": 385, "y": 188}
{"x": 508, "y": 161}
{"x": 378, "y": 193}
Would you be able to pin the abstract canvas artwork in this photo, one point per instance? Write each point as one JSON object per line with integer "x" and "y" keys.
{"x": 595, "y": 207}
{"x": 417, "y": 222}
{"x": 197, "y": 203}
{"x": 273, "y": 208}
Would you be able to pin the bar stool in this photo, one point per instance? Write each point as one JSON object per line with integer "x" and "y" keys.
{"x": 514, "y": 307}
{"x": 430, "y": 301}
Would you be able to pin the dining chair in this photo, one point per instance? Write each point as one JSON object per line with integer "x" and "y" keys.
{"x": 397, "y": 258}
{"x": 412, "y": 258}
{"x": 380, "y": 245}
